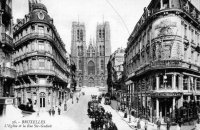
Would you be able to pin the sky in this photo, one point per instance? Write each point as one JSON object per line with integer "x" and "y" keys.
{"x": 121, "y": 14}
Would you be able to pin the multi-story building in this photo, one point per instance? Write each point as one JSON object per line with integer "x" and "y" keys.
{"x": 91, "y": 61}
{"x": 40, "y": 59}
{"x": 117, "y": 60}
{"x": 162, "y": 59}
{"x": 7, "y": 71}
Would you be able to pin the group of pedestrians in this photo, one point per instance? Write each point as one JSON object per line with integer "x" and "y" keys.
{"x": 52, "y": 111}
{"x": 101, "y": 120}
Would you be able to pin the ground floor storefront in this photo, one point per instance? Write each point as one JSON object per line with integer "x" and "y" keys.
{"x": 164, "y": 94}
{"x": 41, "y": 95}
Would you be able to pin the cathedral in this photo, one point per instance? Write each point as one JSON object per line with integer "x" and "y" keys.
{"x": 91, "y": 59}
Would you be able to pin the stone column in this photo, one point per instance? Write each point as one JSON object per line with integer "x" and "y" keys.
{"x": 157, "y": 108}
{"x": 161, "y": 4}
{"x": 173, "y": 107}
{"x": 157, "y": 82}
{"x": 173, "y": 81}
{"x": 180, "y": 82}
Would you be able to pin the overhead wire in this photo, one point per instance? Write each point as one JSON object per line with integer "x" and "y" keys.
{"x": 118, "y": 15}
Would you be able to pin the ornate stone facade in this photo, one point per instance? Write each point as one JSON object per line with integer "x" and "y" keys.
{"x": 91, "y": 61}
{"x": 162, "y": 60}
{"x": 7, "y": 71}
{"x": 41, "y": 61}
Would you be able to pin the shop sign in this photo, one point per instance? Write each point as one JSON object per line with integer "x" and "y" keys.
{"x": 166, "y": 94}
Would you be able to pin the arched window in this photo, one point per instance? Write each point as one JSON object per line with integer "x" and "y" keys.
{"x": 102, "y": 64}
{"x": 91, "y": 67}
{"x": 80, "y": 65}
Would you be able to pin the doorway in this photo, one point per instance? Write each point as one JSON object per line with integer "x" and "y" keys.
{"x": 91, "y": 82}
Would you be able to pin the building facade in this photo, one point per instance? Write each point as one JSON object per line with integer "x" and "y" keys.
{"x": 117, "y": 61}
{"x": 91, "y": 61}
{"x": 41, "y": 61}
{"x": 162, "y": 60}
{"x": 7, "y": 71}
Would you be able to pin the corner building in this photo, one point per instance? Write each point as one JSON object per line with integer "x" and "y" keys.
{"x": 91, "y": 61}
{"x": 7, "y": 71}
{"x": 162, "y": 59}
{"x": 40, "y": 59}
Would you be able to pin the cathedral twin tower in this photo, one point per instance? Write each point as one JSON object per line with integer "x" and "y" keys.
{"x": 91, "y": 61}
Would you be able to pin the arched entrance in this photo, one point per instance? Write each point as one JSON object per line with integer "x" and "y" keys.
{"x": 91, "y": 68}
{"x": 91, "y": 82}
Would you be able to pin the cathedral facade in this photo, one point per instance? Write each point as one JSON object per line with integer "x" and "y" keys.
{"x": 91, "y": 61}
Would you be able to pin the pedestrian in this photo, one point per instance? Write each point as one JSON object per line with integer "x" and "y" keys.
{"x": 146, "y": 123}
{"x": 50, "y": 112}
{"x": 138, "y": 125}
{"x": 168, "y": 124}
{"x": 53, "y": 111}
{"x": 158, "y": 124}
{"x": 77, "y": 99}
{"x": 59, "y": 111}
{"x": 178, "y": 127}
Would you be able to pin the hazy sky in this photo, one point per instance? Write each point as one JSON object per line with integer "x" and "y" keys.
{"x": 91, "y": 12}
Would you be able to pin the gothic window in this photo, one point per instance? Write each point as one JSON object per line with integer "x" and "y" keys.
{"x": 103, "y": 33}
{"x": 80, "y": 65}
{"x": 80, "y": 50}
{"x": 81, "y": 35}
{"x": 91, "y": 68}
{"x": 102, "y": 64}
{"x": 78, "y": 35}
{"x": 99, "y": 33}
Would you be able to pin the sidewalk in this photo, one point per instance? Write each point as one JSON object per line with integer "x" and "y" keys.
{"x": 150, "y": 126}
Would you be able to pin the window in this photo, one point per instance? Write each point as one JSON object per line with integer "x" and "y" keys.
{"x": 99, "y": 33}
{"x": 102, "y": 64}
{"x": 41, "y": 63}
{"x": 41, "y": 29}
{"x": 78, "y": 37}
{"x": 185, "y": 31}
{"x": 192, "y": 34}
{"x": 80, "y": 65}
{"x": 185, "y": 83}
{"x": 81, "y": 35}
{"x": 41, "y": 45}
{"x": 91, "y": 68}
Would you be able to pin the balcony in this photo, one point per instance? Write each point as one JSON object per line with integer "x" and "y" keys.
{"x": 46, "y": 36}
{"x": 6, "y": 39}
{"x": 37, "y": 71}
{"x": 166, "y": 64}
{"x": 8, "y": 72}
